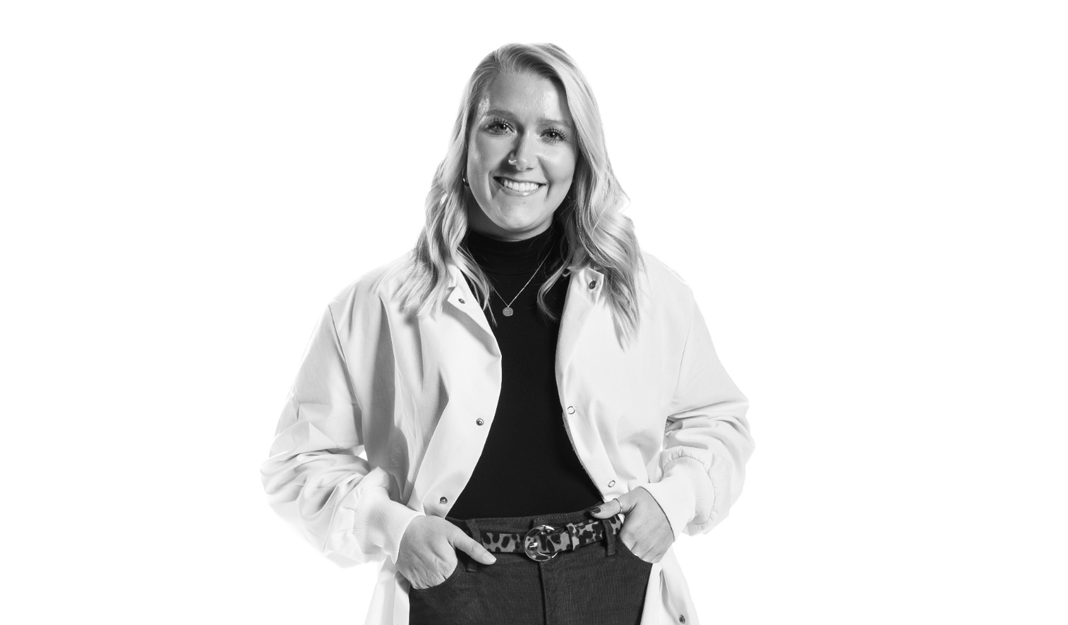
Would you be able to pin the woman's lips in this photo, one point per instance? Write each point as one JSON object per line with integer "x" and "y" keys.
{"x": 517, "y": 188}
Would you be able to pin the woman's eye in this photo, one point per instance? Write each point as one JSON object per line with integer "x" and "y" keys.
{"x": 498, "y": 126}
{"x": 554, "y": 135}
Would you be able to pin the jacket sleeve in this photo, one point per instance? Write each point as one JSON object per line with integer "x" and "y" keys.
{"x": 700, "y": 471}
{"x": 314, "y": 477}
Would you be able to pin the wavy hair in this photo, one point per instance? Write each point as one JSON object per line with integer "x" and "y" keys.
{"x": 596, "y": 234}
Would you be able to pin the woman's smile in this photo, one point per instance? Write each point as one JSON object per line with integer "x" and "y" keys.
{"x": 516, "y": 187}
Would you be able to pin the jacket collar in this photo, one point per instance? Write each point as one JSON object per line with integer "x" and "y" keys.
{"x": 583, "y": 294}
{"x": 591, "y": 281}
{"x": 461, "y": 297}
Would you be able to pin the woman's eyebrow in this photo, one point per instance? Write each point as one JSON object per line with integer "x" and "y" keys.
{"x": 498, "y": 113}
{"x": 558, "y": 122}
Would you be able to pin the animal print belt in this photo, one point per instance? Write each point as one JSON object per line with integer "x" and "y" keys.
{"x": 543, "y": 542}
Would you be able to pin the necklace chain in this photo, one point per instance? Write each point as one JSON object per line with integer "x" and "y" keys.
{"x": 508, "y": 312}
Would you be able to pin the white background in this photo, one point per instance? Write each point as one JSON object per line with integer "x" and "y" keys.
{"x": 867, "y": 197}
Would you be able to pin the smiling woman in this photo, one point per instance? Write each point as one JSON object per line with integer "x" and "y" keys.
{"x": 538, "y": 404}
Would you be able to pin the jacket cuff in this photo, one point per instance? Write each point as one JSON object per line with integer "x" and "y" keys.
{"x": 685, "y": 493}
{"x": 381, "y": 521}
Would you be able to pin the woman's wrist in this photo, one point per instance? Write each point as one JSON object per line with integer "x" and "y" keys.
{"x": 684, "y": 493}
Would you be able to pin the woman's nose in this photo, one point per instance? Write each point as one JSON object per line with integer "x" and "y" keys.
{"x": 523, "y": 155}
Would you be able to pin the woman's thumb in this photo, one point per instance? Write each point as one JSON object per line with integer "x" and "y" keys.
{"x": 471, "y": 547}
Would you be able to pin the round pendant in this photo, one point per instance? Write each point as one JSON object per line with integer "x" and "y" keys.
{"x": 507, "y": 311}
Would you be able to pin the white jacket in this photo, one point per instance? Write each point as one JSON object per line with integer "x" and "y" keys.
{"x": 660, "y": 413}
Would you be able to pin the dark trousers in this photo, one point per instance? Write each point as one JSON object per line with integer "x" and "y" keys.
{"x": 598, "y": 583}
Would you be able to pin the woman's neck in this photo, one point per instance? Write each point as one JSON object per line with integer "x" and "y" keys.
{"x": 513, "y": 257}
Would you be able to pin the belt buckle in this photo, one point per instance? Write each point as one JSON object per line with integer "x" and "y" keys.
{"x": 530, "y": 544}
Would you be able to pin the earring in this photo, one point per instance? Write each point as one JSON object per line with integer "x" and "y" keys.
{"x": 463, "y": 177}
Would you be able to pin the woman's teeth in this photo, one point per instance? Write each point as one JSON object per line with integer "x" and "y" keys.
{"x": 521, "y": 187}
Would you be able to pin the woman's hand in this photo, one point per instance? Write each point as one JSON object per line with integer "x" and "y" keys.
{"x": 427, "y": 554}
{"x": 646, "y": 530}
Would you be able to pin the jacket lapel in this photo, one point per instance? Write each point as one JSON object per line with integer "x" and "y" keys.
{"x": 582, "y": 295}
{"x": 461, "y": 298}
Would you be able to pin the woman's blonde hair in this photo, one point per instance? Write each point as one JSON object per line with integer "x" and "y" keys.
{"x": 595, "y": 232}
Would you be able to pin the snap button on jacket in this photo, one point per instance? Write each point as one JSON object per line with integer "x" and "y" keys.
{"x": 383, "y": 421}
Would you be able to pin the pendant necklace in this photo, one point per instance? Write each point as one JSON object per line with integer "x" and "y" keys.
{"x": 508, "y": 312}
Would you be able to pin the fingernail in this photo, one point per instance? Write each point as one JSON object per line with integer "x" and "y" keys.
{"x": 596, "y": 509}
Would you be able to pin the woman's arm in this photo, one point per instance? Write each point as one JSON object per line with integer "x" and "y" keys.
{"x": 700, "y": 471}
{"x": 314, "y": 478}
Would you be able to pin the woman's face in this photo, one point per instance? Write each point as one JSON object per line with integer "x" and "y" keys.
{"x": 521, "y": 157}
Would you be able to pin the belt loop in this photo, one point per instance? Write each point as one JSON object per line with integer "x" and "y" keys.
{"x": 609, "y": 537}
{"x": 472, "y": 528}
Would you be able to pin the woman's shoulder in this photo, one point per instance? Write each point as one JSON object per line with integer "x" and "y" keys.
{"x": 664, "y": 284}
{"x": 376, "y": 285}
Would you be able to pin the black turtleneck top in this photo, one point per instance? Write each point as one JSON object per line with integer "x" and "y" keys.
{"x": 528, "y": 466}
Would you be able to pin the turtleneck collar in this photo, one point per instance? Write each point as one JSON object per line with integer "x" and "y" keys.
{"x": 514, "y": 257}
